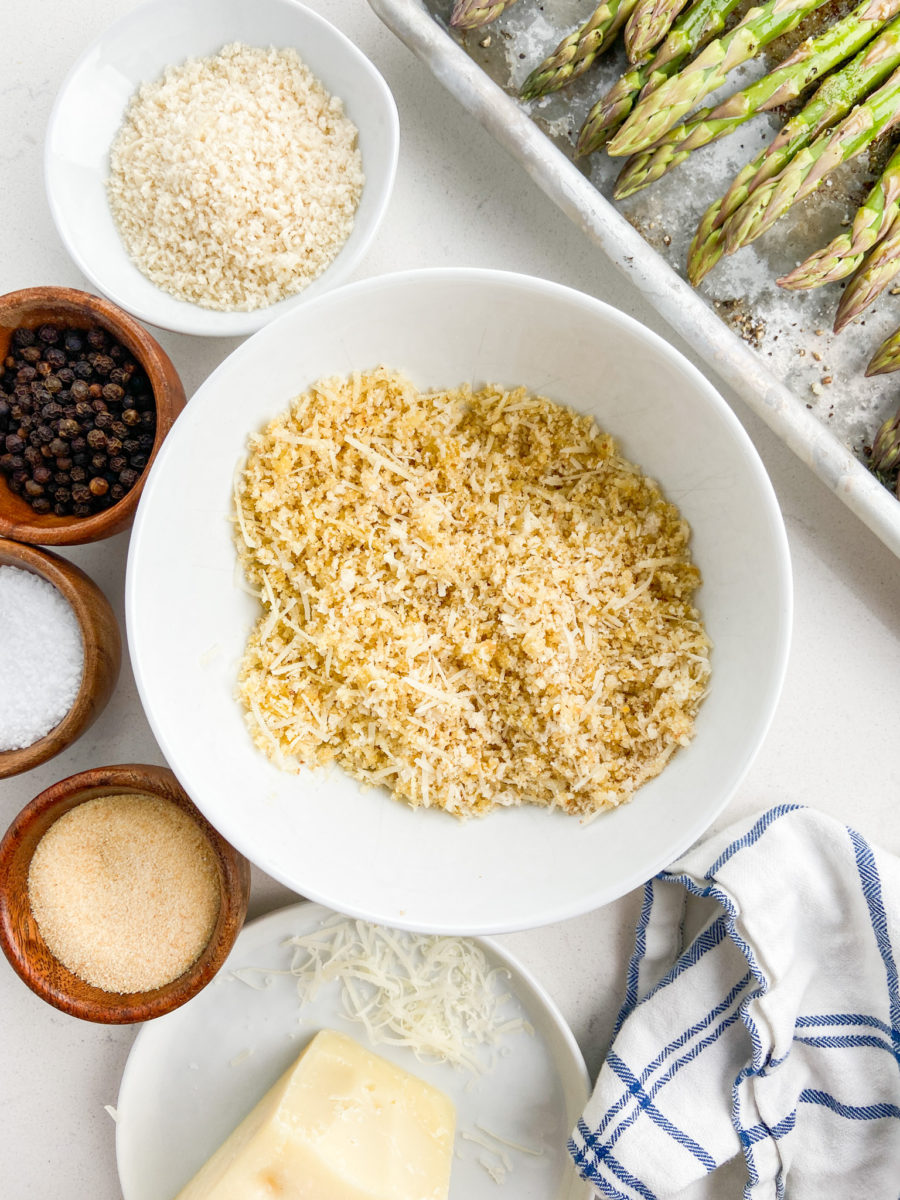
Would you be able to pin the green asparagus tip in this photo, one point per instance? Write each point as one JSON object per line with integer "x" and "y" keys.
{"x": 885, "y": 456}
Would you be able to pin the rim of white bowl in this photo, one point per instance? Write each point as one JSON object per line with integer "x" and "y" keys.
{"x": 602, "y": 895}
{"x": 240, "y": 324}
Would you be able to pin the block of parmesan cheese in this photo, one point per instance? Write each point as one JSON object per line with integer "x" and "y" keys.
{"x": 340, "y": 1124}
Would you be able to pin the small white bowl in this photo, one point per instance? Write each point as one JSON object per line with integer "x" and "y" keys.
{"x": 359, "y": 851}
{"x": 137, "y": 49}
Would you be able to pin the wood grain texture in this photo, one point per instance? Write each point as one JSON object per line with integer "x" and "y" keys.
{"x": 102, "y": 652}
{"x": 20, "y": 937}
{"x": 81, "y": 310}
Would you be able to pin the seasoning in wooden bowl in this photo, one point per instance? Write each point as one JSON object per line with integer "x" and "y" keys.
{"x": 77, "y": 419}
{"x": 125, "y": 891}
{"x": 42, "y": 659}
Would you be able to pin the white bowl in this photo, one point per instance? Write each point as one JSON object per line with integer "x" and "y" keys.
{"x": 360, "y": 851}
{"x": 137, "y": 49}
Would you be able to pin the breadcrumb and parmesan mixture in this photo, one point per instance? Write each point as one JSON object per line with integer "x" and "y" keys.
{"x": 469, "y": 597}
{"x": 235, "y": 180}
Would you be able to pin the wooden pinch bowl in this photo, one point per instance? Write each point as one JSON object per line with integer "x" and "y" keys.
{"x": 102, "y": 652}
{"x": 20, "y": 937}
{"x": 73, "y": 309}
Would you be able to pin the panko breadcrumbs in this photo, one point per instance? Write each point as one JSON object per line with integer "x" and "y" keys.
{"x": 468, "y": 597}
{"x": 235, "y": 179}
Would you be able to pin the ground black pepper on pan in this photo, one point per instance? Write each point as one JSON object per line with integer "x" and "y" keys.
{"x": 77, "y": 419}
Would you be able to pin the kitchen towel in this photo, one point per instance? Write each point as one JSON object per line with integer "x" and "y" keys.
{"x": 761, "y": 1016}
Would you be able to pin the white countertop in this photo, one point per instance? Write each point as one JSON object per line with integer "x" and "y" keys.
{"x": 459, "y": 201}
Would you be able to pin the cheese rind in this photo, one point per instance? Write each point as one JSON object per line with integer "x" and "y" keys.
{"x": 340, "y": 1124}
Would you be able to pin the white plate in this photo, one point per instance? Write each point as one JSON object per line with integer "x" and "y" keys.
{"x": 190, "y": 1080}
{"x": 360, "y": 851}
{"x": 137, "y": 49}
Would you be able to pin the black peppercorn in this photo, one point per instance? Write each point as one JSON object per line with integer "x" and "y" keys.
{"x": 56, "y": 386}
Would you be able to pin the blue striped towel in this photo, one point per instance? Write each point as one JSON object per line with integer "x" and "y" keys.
{"x": 761, "y": 1016}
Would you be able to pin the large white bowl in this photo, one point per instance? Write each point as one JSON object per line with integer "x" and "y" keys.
{"x": 359, "y": 851}
{"x": 137, "y": 49}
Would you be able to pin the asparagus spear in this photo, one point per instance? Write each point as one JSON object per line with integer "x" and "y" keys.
{"x": 702, "y": 21}
{"x": 879, "y": 113}
{"x": 648, "y": 24}
{"x": 887, "y": 357}
{"x": 576, "y": 53}
{"x": 656, "y": 114}
{"x": 845, "y": 253}
{"x": 832, "y": 101}
{"x": 812, "y": 58}
{"x": 472, "y": 14}
{"x": 885, "y": 456}
{"x": 879, "y": 268}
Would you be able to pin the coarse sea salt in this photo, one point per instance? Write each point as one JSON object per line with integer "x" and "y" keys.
{"x": 41, "y": 657}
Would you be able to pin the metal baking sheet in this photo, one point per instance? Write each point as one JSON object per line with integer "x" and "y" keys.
{"x": 775, "y": 348}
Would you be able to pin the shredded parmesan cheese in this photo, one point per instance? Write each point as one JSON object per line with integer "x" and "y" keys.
{"x": 468, "y": 597}
{"x": 438, "y": 996}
